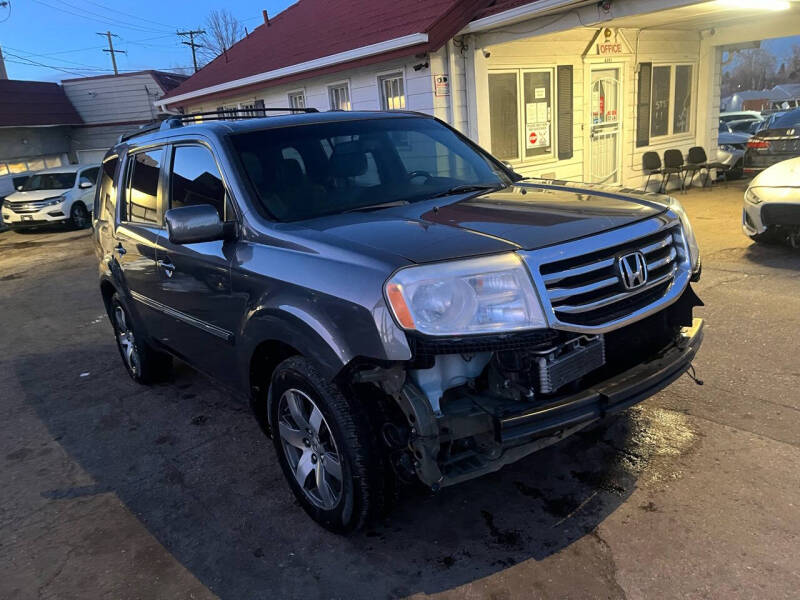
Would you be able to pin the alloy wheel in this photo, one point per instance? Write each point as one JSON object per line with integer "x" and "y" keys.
{"x": 80, "y": 217}
{"x": 126, "y": 341}
{"x": 310, "y": 449}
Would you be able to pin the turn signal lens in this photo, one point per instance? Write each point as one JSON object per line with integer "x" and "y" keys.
{"x": 395, "y": 293}
{"x": 758, "y": 144}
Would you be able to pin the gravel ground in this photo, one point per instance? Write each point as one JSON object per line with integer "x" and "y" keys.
{"x": 110, "y": 490}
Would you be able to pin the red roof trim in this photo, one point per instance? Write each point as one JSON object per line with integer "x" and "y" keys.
{"x": 256, "y": 54}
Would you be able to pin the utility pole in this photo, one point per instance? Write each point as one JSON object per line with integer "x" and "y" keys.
{"x": 111, "y": 50}
{"x": 191, "y": 43}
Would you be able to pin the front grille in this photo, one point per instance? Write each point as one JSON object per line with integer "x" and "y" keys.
{"x": 780, "y": 214}
{"x": 585, "y": 291}
{"x": 32, "y": 206}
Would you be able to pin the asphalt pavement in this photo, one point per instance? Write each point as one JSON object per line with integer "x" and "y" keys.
{"x": 112, "y": 490}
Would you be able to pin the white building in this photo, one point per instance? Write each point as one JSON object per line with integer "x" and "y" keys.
{"x": 561, "y": 89}
{"x": 110, "y": 105}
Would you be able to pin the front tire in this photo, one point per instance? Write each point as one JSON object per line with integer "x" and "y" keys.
{"x": 144, "y": 364}
{"x": 79, "y": 216}
{"x": 324, "y": 446}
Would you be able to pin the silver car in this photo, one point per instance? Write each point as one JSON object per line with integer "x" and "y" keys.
{"x": 772, "y": 204}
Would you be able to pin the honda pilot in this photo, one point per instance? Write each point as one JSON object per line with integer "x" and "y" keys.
{"x": 397, "y": 305}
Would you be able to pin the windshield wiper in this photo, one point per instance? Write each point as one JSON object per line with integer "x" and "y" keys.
{"x": 463, "y": 189}
{"x": 368, "y": 207}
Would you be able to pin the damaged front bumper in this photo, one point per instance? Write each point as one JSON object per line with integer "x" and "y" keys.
{"x": 479, "y": 433}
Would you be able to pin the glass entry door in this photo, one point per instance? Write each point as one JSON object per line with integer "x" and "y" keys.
{"x": 605, "y": 134}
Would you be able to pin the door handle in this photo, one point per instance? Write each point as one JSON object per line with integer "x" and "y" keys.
{"x": 120, "y": 249}
{"x": 168, "y": 267}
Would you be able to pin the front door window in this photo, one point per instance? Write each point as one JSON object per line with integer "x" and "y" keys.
{"x": 605, "y": 126}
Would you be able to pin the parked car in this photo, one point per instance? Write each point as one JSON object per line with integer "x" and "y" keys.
{"x": 773, "y": 144}
{"x": 731, "y": 147}
{"x": 58, "y": 195}
{"x": 396, "y": 304}
{"x": 738, "y": 115}
{"x": 772, "y": 204}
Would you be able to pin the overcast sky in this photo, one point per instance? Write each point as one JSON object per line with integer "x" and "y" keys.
{"x": 62, "y": 34}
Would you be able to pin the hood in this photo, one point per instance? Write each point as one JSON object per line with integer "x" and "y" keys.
{"x": 780, "y": 182}
{"x": 34, "y": 195}
{"x": 523, "y": 216}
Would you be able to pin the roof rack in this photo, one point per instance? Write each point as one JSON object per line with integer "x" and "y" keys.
{"x": 234, "y": 114}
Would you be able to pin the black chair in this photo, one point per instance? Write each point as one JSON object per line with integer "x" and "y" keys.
{"x": 651, "y": 165}
{"x": 698, "y": 160}
{"x": 673, "y": 165}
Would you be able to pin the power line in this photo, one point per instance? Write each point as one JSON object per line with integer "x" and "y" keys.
{"x": 191, "y": 43}
{"x": 82, "y": 12}
{"x": 72, "y": 62}
{"x": 128, "y": 14}
{"x": 111, "y": 50}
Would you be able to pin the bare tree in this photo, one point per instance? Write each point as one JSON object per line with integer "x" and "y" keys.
{"x": 222, "y": 30}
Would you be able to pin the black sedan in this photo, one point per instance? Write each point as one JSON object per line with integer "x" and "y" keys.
{"x": 778, "y": 141}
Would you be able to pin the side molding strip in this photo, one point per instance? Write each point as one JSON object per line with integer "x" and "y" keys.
{"x": 181, "y": 316}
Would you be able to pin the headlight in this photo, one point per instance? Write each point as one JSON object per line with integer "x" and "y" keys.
{"x": 726, "y": 148}
{"x": 751, "y": 197}
{"x": 688, "y": 233}
{"x": 54, "y": 201}
{"x": 480, "y": 295}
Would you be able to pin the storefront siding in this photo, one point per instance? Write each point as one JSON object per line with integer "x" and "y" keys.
{"x": 363, "y": 83}
{"x": 549, "y": 51}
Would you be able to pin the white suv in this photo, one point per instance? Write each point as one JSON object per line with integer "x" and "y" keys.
{"x": 53, "y": 196}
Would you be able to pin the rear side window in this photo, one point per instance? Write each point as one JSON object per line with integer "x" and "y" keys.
{"x": 197, "y": 180}
{"x": 141, "y": 194}
{"x": 106, "y": 197}
{"x": 90, "y": 175}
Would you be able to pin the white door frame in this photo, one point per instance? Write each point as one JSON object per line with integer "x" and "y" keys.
{"x": 592, "y": 66}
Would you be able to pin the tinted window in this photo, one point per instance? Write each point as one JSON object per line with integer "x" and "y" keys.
{"x": 90, "y": 175}
{"x": 142, "y": 193}
{"x": 107, "y": 190}
{"x": 353, "y": 164}
{"x": 659, "y": 114}
{"x": 503, "y": 115}
{"x": 682, "y": 100}
{"x": 196, "y": 179}
{"x": 49, "y": 181}
{"x": 790, "y": 119}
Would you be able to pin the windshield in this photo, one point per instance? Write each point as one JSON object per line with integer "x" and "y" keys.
{"x": 49, "y": 181}
{"x": 790, "y": 119}
{"x": 312, "y": 170}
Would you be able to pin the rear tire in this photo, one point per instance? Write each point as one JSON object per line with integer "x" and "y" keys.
{"x": 325, "y": 448}
{"x": 144, "y": 364}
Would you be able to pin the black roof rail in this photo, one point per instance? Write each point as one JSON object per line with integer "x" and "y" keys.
{"x": 234, "y": 114}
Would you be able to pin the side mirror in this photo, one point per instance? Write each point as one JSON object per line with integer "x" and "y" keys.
{"x": 194, "y": 224}
{"x": 85, "y": 184}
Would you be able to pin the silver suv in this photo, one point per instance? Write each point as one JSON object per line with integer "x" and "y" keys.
{"x": 396, "y": 304}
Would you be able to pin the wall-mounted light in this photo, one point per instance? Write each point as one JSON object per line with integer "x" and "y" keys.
{"x": 755, "y": 4}
{"x": 420, "y": 66}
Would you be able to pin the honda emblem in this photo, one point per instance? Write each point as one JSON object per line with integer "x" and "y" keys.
{"x": 632, "y": 270}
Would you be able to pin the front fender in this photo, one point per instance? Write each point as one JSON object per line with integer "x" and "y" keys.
{"x": 301, "y": 331}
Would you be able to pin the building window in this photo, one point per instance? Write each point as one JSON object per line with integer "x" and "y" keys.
{"x": 297, "y": 99}
{"x": 227, "y": 111}
{"x": 521, "y": 114}
{"x": 339, "y": 96}
{"x": 393, "y": 96}
{"x": 682, "y": 99}
{"x": 670, "y": 100}
{"x": 252, "y": 109}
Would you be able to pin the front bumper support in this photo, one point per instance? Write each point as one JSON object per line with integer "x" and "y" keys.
{"x": 520, "y": 433}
